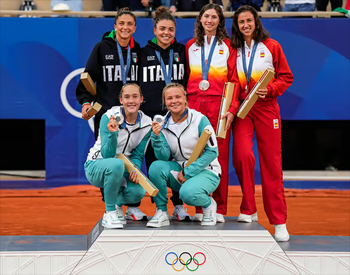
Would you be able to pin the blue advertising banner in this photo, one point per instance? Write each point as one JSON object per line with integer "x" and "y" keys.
{"x": 41, "y": 59}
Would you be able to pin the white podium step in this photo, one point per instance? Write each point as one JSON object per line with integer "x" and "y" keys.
{"x": 229, "y": 248}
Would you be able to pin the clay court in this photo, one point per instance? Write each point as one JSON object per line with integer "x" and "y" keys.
{"x": 74, "y": 210}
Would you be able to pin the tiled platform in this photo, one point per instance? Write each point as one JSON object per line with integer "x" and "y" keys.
{"x": 230, "y": 248}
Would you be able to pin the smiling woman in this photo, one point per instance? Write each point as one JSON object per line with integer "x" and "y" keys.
{"x": 103, "y": 169}
{"x": 173, "y": 144}
{"x": 256, "y": 52}
{"x": 106, "y": 64}
{"x": 211, "y": 63}
{"x": 162, "y": 61}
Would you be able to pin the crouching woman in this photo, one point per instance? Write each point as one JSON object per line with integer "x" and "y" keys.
{"x": 123, "y": 129}
{"x": 174, "y": 141}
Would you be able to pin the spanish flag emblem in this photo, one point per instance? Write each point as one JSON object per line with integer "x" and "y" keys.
{"x": 262, "y": 54}
{"x": 221, "y": 51}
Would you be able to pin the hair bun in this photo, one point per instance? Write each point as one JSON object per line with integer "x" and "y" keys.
{"x": 126, "y": 9}
{"x": 159, "y": 11}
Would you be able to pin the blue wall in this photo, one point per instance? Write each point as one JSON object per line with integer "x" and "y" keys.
{"x": 40, "y": 59}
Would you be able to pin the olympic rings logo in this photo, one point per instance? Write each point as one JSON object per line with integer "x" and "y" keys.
{"x": 183, "y": 262}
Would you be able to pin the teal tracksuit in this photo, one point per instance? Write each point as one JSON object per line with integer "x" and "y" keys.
{"x": 103, "y": 169}
{"x": 173, "y": 147}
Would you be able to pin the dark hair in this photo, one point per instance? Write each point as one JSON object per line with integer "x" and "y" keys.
{"x": 221, "y": 32}
{"x": 127, "y": 85}
{"x": 162, "y": 13}
{"x": 259, "y": 35}
{"x": 124, "y": 11}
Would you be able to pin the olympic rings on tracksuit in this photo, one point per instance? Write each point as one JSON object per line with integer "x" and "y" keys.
{"x": 185, "y": 264}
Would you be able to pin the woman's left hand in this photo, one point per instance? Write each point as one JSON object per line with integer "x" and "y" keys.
{"x": 133, "y": 177}
{"x": 181, "y": 177}
{"x": 229, "y": 116}
{"x": 262, "y": 92}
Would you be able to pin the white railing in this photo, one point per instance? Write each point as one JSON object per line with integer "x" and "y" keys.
{"x": 264, "y": 14}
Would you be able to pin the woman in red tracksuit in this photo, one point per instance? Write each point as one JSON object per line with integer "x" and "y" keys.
{"x": 211, "y": 63}
{"x": 255, "y": 53}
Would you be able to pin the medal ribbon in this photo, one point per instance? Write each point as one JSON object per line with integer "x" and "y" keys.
{"x": 168, "y": 116}
{"x": 124, "y": 70}
{"x": 249, "y": 72}
{"x": 167, "y": 75}
{"x": 138, "y": 119}
{"x": 205, "y": 67}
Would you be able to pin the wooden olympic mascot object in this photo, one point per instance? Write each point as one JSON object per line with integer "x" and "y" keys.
{"x": 252, "y": 96}
{"x": 143, "y": 180}
{"x": 91, "y": 88}
{"x": 226, "y": 100}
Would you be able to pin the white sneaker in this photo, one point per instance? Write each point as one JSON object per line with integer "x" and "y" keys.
{"x": 209, "y": 214}
{"x": 120, "y": 214}
{"x": 134, "y": 213}
{"x": 198, "y": 217}
{"x": 220, "y": 218}
{"x": 281, "y": 233}
{"x": 248, "y": 218}
{"x": 180, "y": 213}
{"x": 110, "y": 220}
{"x": 160, "y": 218}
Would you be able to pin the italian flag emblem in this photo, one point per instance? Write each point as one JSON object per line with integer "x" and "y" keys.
{"x": 134, "y": 59}
{"x": 176, "y": 57}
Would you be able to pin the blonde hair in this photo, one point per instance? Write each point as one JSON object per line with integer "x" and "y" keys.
{"x": 173, "y": 85}
{"x": 127, "y": 85}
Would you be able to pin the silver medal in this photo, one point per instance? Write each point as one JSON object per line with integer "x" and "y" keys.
{"x": 204, "y": 85}
{"x": 159, "y": 119}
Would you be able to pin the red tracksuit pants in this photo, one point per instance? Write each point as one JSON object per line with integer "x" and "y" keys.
{"x": 210, "y": 107}
{"x": 264, "y": 118}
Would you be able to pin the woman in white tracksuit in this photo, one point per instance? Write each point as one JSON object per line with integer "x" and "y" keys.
{"x": 173, "y": 143}
{"x": 104, "y": 169}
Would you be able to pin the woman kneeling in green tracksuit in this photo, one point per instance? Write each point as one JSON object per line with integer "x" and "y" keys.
{"x": 173, "y": 142}
{"x": 130, "y": 136}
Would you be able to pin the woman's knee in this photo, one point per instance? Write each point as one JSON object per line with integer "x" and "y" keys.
{"x": 188, "y": 196}
{"x": 156, "y": 168}
{"x": 115, "y": 167}
{"x": 136, "y": 194}
{"x": 242, "y": 156}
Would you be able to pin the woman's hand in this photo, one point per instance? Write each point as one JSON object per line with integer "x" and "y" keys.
{"x": 156, "y": 128}
{"x": 262, "y": 92}
{"x": 84, "y": 110}
{"x": 133, "y": 177}
{"x": 112, "y": 125}
{"x": 229, "y": 116}
{"x": 181, "y": 177}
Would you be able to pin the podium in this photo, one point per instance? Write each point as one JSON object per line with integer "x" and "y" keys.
{"x": 227, "y": 248}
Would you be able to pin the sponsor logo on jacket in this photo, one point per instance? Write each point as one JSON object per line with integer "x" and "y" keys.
{"x": 151, "y": 58}
{"x": 109, "y": 56}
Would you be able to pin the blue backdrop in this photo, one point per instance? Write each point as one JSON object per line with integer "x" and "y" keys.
{"x": 42, "y": 57}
